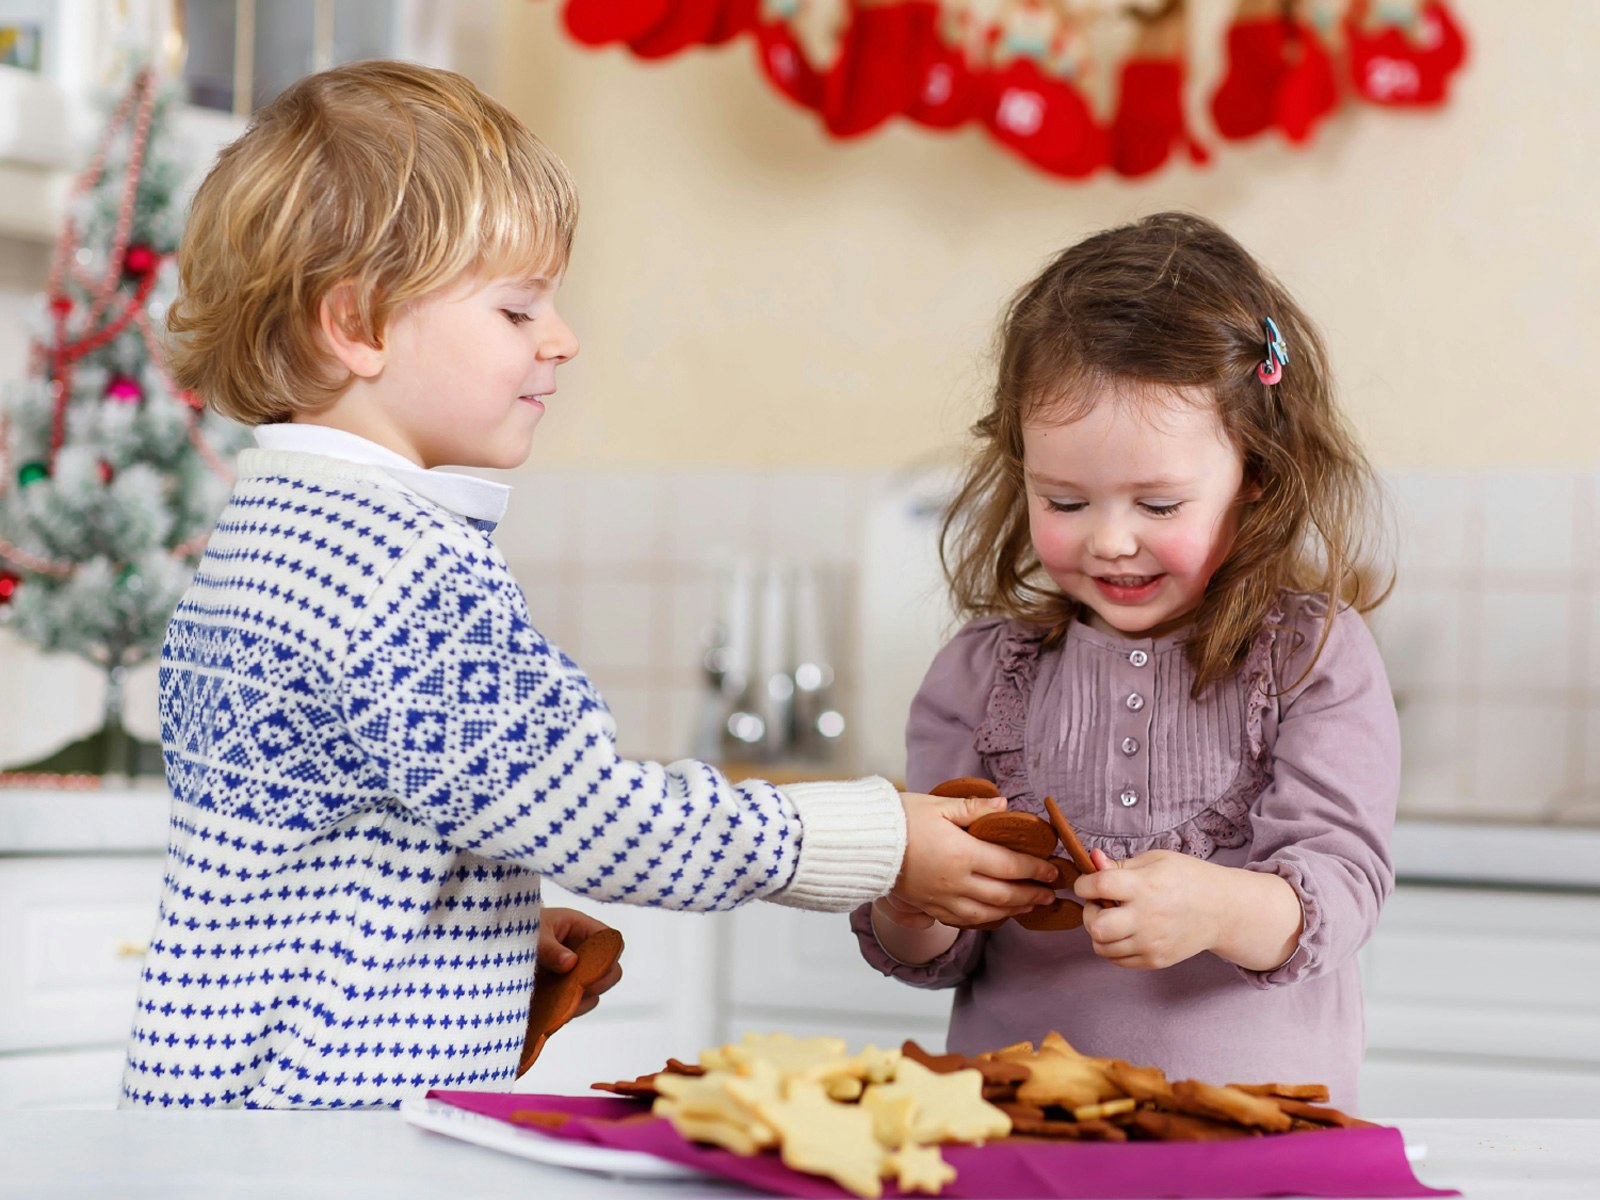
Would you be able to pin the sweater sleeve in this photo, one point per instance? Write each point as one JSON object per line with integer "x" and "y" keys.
{"x": 493, "y": 737}
{"x": 1324, "y": 822}
{"x": 945, "y": 712}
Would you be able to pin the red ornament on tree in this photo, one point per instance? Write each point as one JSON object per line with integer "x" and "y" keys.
{"x": 124, "y": 390}
{"x": 140, "y": 260}
{"x": 9, "y": 583}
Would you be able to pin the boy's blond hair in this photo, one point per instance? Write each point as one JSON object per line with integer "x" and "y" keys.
{"x": 387, "y": 179}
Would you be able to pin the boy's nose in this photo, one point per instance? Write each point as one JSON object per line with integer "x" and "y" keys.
{"x": 561, "y": 344}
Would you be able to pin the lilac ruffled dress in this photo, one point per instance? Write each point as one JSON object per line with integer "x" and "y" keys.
{"x": 1267, "y": 771}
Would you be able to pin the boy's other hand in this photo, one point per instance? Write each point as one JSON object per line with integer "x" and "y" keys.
{"x": 957, "y": 879}
{"x": 560, "y": 928}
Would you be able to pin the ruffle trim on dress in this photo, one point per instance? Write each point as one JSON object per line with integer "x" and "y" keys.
{"x": 1303, "y": 961}
{"x": 1001, "y": 742}
{"x": 1000, "y": 739}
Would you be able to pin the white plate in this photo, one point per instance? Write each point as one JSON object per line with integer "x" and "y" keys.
{"x": 439, "y": 1117}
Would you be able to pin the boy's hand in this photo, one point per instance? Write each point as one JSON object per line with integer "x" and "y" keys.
{"x": 557, "y": 928}
{"x": 951, "y": 876}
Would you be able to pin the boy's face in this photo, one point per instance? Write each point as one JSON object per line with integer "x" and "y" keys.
{"x": 1132, "y": 508}
{"x": 466, "y": 372}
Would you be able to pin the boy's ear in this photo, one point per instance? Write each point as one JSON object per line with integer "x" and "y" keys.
{"x": 336, "y": 316}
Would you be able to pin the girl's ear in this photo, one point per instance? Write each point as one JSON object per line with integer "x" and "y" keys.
{"x": 336, "y": 316}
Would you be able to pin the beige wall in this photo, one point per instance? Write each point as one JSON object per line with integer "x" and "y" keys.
{"x": 748, "y": 291}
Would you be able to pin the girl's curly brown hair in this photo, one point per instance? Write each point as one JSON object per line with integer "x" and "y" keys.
{"x": 1166, "y": 303}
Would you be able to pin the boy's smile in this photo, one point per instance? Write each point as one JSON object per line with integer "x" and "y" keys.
{"x": 1132, "y": 508}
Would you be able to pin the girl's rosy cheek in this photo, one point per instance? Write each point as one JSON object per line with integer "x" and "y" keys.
{"x": 1181, "y": 553}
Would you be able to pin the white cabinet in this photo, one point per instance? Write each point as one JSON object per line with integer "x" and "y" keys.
{"x": 800, "y": 972}
{"x": 72, "y": 936}
{"x": 1484, "y": 1002}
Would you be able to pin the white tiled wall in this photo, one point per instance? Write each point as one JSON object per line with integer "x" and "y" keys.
{"x": 1492, "y": 640}
{"x": 620, "y": 568}
{"x": 1492, "y": 635}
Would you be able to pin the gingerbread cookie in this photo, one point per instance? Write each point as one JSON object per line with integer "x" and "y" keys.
{"x": 556, "y": 997}
{"x": 1028, "y": 834}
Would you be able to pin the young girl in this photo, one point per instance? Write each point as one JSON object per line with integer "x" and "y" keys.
{"x": 1161, "y": 539}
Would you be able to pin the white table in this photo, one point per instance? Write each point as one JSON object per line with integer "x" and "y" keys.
{"x": 232, "y": 1155}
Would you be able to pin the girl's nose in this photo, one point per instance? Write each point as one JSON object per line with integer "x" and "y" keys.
{"x": 1111, "y": 538}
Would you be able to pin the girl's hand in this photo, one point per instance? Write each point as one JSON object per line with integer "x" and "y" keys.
{"x": 1164, "y": 911}
{"x": 560, "y": 928}
{"x": 952, "y": 876}
{"x": 1172, "y": 906}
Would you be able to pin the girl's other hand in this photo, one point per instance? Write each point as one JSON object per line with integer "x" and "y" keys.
{"x": 1172, "y": 906}
{"x": 953, "y": 877}
{"x": 562, "y": 928}
{"x": 1163, "y": 913}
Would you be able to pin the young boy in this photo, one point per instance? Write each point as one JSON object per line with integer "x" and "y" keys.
{"x": 374, "y": 755}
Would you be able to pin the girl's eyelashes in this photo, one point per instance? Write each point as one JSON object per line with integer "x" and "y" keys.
{"x": 515, "y": 317}
{"x": 1161, "y": 508}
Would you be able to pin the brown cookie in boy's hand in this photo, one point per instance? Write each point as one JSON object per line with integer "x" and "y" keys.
{"x": 965, "y": 787}
{"x": 556, "y": 997}
{"x": 1019, "y": 831}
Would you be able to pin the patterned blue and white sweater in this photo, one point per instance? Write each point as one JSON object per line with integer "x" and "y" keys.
{"x": 374, "y": 756}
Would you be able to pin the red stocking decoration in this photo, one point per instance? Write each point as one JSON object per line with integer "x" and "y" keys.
{"x": 943, "y": 91}
{"x": 1308, "y": 92}
{"x": 735, "y": 17}
{"x": 685, "y": 23}
{"x": 784, "y": 62}
{"x": 1149, "y": 115}
{"x": 1044, "y": 119}
{"x": 1149, "y": 120}
{"x": 1246, "y": 102}
{"x": 1390, "y": 65}
{"x": 871, "y": 80}
{"x": 1279, "y": 74}
{"x": 600, "y": 22}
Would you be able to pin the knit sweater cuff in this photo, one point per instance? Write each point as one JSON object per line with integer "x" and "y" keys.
{"x": 854, "y": 841}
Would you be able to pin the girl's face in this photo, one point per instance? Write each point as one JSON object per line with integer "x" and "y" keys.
{"x": 1133, "y": 507}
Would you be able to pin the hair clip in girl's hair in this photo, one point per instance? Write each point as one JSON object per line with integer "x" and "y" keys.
{"x": 1271, "y": 370}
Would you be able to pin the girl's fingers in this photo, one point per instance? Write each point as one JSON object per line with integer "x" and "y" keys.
{"x": 1104, "y": 885}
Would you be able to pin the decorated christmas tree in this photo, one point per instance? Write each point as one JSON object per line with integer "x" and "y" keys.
{"x": 109, "y": 476}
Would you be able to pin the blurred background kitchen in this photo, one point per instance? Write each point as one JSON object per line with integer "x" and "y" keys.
{"x": 729, "y": 515}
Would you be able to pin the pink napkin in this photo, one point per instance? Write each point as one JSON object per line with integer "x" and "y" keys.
{"x": 1334, "y": 1162}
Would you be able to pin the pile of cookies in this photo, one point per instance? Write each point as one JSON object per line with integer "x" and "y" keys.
{"x": 859, "y": 1119}
{"x": 1065, "y": 1094}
